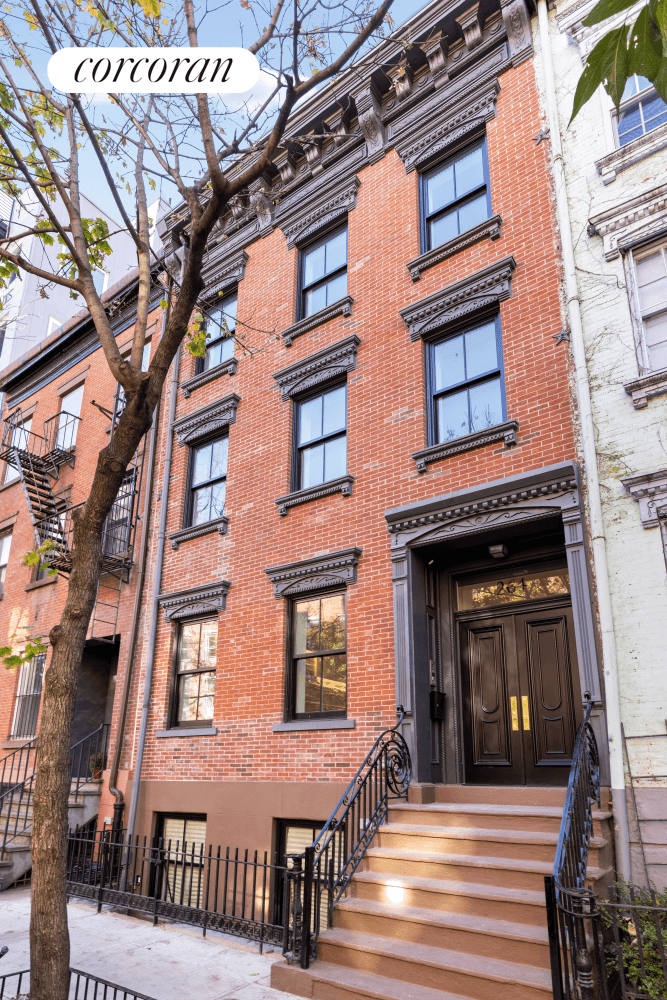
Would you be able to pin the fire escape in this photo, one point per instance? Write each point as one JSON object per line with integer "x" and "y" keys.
{"x": 37, "y": 459}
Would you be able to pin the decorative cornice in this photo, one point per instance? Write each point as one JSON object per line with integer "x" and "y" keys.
{"x": 642, "y": 389}
{"x": 341, "y": 485}
{"x": 211, "y": 418}
{"x": 506, "y": 432}
{"x": 490, "y": 285}
{"x": 206, "y": 599}
{"x": 620, "y": 159}
{"x": 650, "y": 492}
{"x": 228, "y": 272}
{"x": 228, "y": 367}
{"x": 490, "y": 228}
{"x": 323, "y": 366}
{"x": 331, "y": 570}
{"x": 368, "y": 102}
{"x": 517, "y": 25}
{"x": 632, "y": 221}
{"x": 427, "y": 138}
{"x": 301, "y": 217}
{"x": 218, "y": 524}
{"x": 343, "y": 307}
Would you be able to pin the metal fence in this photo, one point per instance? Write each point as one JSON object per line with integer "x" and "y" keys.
{"x": 82, "y": 986}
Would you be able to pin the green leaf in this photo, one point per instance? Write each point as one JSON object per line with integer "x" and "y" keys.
{"x": 605, "y": 9}
{"x": 615, "y": 63}
{"x": 658, "y": 13}
{"x": 644, "y": 49}
{"x": 163, "y": 303}
{"x": 589, "y": 81}
{"x": 659, "y": 81}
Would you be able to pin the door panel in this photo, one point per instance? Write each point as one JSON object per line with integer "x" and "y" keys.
{"x": 545, "y": 671}
{"x": 493, "y": 754}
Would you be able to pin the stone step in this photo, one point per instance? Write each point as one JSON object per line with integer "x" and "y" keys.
{"x": 543, "y": 819}
{"x": 461, "y": 932}
{"x": 496, "y": 902}
{"x": 325, "y": 981}
{"x": 511, "y": 872}
{"x": 523, "y": 795}
{"x": 528, "y": 846}
{"x": 475, "y": 976}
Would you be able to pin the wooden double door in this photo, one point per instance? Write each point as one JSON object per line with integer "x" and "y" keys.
{"x": 518, "y": 673}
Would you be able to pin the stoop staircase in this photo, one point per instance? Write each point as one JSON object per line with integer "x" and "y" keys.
{"x": 448, "y": 902}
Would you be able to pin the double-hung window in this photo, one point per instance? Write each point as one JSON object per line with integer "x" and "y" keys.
{"x": 455, "y": 196}
{"x": 323, "y": 272}
{"x": 319, "y": 660}
{"x": 196, "y": 651}
{"x": 651, "y": 271}
{"x": 321, "y": 438}
{"x": 5, "y": 545}
{"x": 641, "y": 110}
{"x": 220, "y": 327}
{"x": 466, "y": 379}
{"x": 208, "y": 485}
{"x": 68, "y": 419}
{"x": 20, "y": 439}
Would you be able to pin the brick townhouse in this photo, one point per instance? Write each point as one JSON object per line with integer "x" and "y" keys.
{"x": 368, "y": 496}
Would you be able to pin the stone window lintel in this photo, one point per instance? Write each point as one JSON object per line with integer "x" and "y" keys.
{"x": 329, "y": 570}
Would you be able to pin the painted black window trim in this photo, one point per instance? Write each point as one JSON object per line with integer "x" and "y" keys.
{"x": 296, "y": 450}
{"x": 290, "y": 674}
{"x": 189, "y": 490}
{"x": 302, "y": 288}
{"x": 209, "y": 308}
{"x": 479, "y": 141}
{"x": 432, "y": 396}
{"x": 174, "y": 722}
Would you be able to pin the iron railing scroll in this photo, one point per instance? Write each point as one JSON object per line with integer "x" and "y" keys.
{"x": 317, "y": 880}
{"x": 570, "y": 905}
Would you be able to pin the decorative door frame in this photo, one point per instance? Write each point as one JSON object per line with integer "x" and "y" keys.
{"x": 532, "y": 496}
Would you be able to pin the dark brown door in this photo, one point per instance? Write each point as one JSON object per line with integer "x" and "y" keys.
{"x": 519, "y": 709}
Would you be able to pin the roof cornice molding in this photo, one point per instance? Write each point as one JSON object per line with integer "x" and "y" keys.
{"x": 330, "y": 570}
{"x": 489, "y": 286}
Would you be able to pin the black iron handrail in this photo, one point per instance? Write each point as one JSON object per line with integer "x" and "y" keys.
{"x": 82, "y": 986}
{"x": 15, "y": 766}
{"x": 322, "y": 876}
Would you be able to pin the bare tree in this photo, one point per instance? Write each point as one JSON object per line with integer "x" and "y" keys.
{"x": 210, "y": 150}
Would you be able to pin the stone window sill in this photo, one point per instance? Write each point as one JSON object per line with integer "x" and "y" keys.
{"x": 626, "y": 156}
{"x": 342, "y": 485}
{"x": 41, "y": 583}
{"x": 219, "y": 524}
{"x": 642, "y": 389}
{"x": 228, "y": 367}
{"x": 309, "y": 725}
{"x": 341, "y": 308}
{"x": 13, "y": 744}
{"x": 204, "y": 731}
{"x": 506, "y": 432}
{"x": 490, "y": 228}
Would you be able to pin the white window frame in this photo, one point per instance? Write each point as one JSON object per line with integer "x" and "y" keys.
{"x": 635, "y": 305}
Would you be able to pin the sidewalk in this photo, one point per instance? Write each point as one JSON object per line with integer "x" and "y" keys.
{"x": 167, "y": 962}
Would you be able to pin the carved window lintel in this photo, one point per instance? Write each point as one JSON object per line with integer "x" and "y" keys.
{"x": 643, "y": 388}
{"x": 330, "y": 570}
{"x": 650, "y": 492}
{"x": 342, "y": 485}
{"x": 308, "y": 212}
{"x": 506, "y": 432}
{"x": 490, "y": 285}
{"x": 211, "y": 418}
{"x": 228, "y": 273}
{"x": 490, "y": 228}
{"x": 219, "y": 524}
{"x": 228, "y": 367}
{"x": 321, "y": 367}
{"x": 343, "y": 307}
{"x": 206, "y": 599}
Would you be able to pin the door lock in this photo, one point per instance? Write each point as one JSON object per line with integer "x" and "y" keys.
{"x": 526, "y": 713}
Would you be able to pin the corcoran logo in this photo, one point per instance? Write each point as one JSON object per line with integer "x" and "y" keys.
{"x": 206, "y": 70}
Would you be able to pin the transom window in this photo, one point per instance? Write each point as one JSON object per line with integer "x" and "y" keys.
{"x": 467, "y": 382}
{"x": 195, "y": 672}
{"x": 320, "y": 661}
{"x": 324, "y": 272}
{"x": 322, "y": 438}
{"x": 651, "y": 270}
{"x": 209, "y": 480}
{"x": 5, "y": 545}
{"x": 641, "y": 110}
{"x": 220, "y": 327}
{"x": 455, "y": 196}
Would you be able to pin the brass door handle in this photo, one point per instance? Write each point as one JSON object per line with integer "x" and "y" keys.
{"x": 526, "y": 713}
{"x": 515, "y": 714}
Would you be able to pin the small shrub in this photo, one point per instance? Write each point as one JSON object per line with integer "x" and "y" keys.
{"x": 636, "y": 926}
